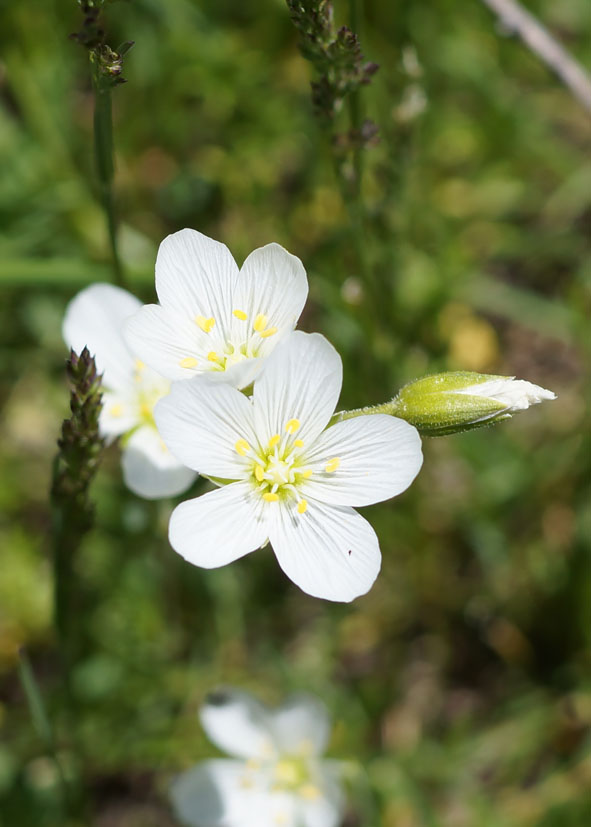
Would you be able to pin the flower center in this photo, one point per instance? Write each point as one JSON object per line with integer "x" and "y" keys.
{"x": 278, "y": 468}
{"x": 244, "y": 345}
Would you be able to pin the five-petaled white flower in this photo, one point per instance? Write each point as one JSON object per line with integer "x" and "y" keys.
{"x": 286, "y": 477}
{"x": 212, "y": 318}
{"x": 95, "y": 318}
{"x": 276, "y": 777}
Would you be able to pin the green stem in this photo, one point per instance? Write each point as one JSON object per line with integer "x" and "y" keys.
{"x": 355, "y": 111}
{"x": 103, "y": 152}
{"x": 42, "y": 725}
{"x": 389, "y": 408}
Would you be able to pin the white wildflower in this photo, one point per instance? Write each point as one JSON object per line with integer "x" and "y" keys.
{"x": 213, "y": 318}
{"x": 288, "y": 478}
{"x": 276, "y": 776}
{"x": 95, "y": 318}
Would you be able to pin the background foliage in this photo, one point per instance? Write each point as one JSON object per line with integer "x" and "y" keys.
{"x": 461, "y": 683}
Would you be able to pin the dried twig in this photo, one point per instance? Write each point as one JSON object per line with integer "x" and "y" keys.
{"x": 516, "y": 19}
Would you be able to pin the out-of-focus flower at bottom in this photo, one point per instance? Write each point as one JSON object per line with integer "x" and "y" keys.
{"x": 275, "y": 777}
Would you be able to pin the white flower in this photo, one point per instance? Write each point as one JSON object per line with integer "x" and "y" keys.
{"x": 275, "y": 777}
{"x": 514, "y": 394}
{"x": 290, "y": 481}
{"x": 212, "y": 318}
{"x": 94, "y": 318}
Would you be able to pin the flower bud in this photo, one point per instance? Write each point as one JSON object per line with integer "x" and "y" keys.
{"x": 448, "y": 403}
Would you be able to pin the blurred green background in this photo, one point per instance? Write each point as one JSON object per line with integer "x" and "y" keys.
{"x": 462, "y": 682}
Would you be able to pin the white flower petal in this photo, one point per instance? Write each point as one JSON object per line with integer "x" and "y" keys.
{"x": 330, "y": 552}
{"x": 218, "y": 527}
{"x": 516, "y": 394}
{"x": 167, "y": 341}
{"x": 223, "y": 793}
{"x": 119, "y": 414}
{"x": 301, "y": 381}
{"x": 150, "y": 470}
{"x": 201, "y": 421}
{"x": 237, "y": 723}
{"x": 301, "y": 725}
{"x": 238, "y": 375}
{"x": 327, "y": 809}
{"x": 272, "y": 283}
{"x": 95, "y": 318}
{"x": 196, "y": 275}
{"x": 379, "y": 456}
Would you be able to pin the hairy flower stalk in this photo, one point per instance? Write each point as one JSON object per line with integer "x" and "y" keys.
{"x": 457, "y": 401}
{"x": 80, "y": 449}
{"x": 106, "y": 72}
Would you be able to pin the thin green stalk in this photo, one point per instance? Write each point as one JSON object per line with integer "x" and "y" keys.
{"x": 355, "y": 109}
{"x": 103, "y": 153}
{"x": 42, "y": 725}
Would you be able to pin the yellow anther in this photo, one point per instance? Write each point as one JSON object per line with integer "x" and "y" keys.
{"x": 274, "y": 440}
{"x": 139, "y": 365}
{"x": 271, "y": 498}
{"x": 240, "y": 314}
{"x": 145, "y": 410}
{"x": 163, "y": 446}
{"x": 332, "y": 465}
{"x": 309, "y": 792}
{"x": 212, "y": 356}
{"x": 307, "y": 474}
{"x": 259, "y": 473}
{"x": 188, "y": 362}
{"x": 260, "y": 323}
{"x": 292, "y": 426}
{"x": 242, "y": 447}
{"x": 299, "y": 443}
{"x": 205, "y": 324}
{"x": 270, "y": 331}
{"x": 116, "y": 410}
{"x": 302, "y": 507}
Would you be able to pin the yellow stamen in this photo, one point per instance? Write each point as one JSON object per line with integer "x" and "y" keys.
{"x": 302, "y": 507}
{"x": 299, "y": 443}
{"x": 188, "y": 362}
{"x": 240, "y": 314}
{"x": 292, "y": 426}
{"x": 271, "y": 498}
{"x": 212, "y": 356}
{"x": 139, "y": 365}
{"x": 205, "y": 324}
{"x": 259, "y": 473}
{"x": 145, "y": 410}
{"x": 274, "y": 440}
{"x": 307, "y": 474}
{"x": 332, "y": 465}
{"x": 309, "y": 792}
{"x": 116, "y": 410}
{"x": 260, "y": 323}
{"x": 242, "y": 447}
{"x": 270, "y": 331}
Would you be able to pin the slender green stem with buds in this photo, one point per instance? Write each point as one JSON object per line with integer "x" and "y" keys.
{"x": 80, "y": 450}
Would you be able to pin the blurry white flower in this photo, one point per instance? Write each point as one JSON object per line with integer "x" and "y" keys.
{"x": 291, "y": 480}
{"x": 275, "y": 777}
{"x": 95, "y": 318}
{"x": 212, "y": 318}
